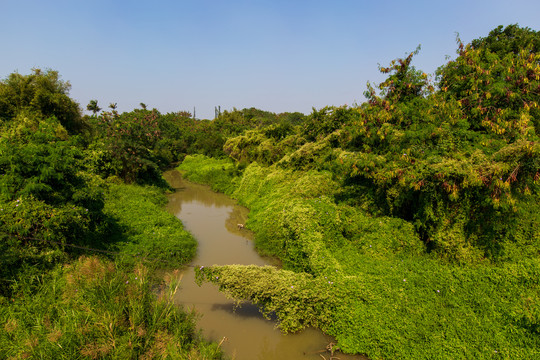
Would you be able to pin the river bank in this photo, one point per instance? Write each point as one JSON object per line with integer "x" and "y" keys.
{"x": 213, "y": 218}
{"x": 368, "y": 280}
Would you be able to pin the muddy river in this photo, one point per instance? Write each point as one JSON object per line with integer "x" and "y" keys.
{"x": 213, "y": 219}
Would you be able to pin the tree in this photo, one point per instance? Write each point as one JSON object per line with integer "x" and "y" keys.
{"x": 93, "y": 107}
{"x": 511, "y": 39}
{"x": 496, "y": 80}
{"x": 129, "y": 141}
{"x": 43, "y": 94}
{"x": 404, "y": 82}
{"x": 143, "y": 106}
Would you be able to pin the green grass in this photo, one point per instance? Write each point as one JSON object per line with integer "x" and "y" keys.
{"x": 146, "y": 229}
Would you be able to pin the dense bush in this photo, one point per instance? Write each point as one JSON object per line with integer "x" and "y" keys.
{"x": 460, "y": 159}
{"x": 41, "y": 94}
{"x": 46, "y": 199}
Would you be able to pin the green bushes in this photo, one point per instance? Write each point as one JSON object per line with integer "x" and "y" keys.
{"x": 46, "y": 198}
{"x": 299, "y": 300}
{"x": 458, "y": 159}
{"x": 94, "y": 308}
{"x": 296, "y": 218}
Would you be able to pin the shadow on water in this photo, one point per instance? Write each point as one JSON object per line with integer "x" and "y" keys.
{"x": 213, "y": 219}
{"x": 245, "y": 310}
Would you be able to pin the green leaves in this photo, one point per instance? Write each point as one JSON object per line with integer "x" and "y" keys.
{"x": 496, "y": 80}
{"x": 129, "y": 140}
{"x": 93, "y": 107}
{"x": 43, "y": 94}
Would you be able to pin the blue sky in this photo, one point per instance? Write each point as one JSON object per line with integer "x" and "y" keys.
{"x": 274, "y": 55}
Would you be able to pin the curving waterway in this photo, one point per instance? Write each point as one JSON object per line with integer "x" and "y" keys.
{"x": 245, "y": 334}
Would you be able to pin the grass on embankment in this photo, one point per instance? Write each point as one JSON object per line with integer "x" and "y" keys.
{"x": 146, "y": 230}
{"x": 95, "y": 308}
{"x": 368, "y": 281}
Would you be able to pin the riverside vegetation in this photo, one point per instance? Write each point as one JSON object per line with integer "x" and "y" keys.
{"x": 407, "y": 225}
{"x": 82, "y": 229}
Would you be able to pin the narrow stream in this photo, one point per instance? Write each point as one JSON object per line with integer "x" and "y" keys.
{"x": 213, "y": 219}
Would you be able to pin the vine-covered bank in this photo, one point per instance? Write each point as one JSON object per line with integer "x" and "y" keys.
{"x": 368, "y": 280}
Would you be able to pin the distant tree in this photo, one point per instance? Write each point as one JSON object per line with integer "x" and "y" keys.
{"x": 143, "y": 106}
{"x": 130, "y": 140}
{"x": 113, "y": 106}
{"x": 93, "y": 107}
{"x": 184, "y": 114}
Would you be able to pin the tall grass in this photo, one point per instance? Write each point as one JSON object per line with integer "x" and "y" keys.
{"x": 92, "y": 309}
{"x": 96, "y": 308}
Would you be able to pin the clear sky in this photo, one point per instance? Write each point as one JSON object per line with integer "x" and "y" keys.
{"x": 275, "y": 55}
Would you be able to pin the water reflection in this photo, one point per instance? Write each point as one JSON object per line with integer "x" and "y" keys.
{"x": 212, "y": 218}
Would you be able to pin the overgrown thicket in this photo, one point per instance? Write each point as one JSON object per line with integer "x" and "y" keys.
{"x": 407, "y": 225}
{"x": 460, "y": 162}
{"x": 368, "y": 280}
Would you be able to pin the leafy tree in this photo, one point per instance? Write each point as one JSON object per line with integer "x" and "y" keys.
{"x": 42, "y": 93}
{"x": 509, "y": 39}
{"x": 497, "y": 80}
{"x": 93, "y": 107}
{"x": 129, "y": 140}
{"x": 323, "y": 122}
{"x": 404, "y": 82}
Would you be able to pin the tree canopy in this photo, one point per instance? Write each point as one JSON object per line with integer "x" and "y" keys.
{"x": 42, "y": 94}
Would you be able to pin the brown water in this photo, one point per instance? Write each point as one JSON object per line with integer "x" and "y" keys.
{"x": 213, "y": 219}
